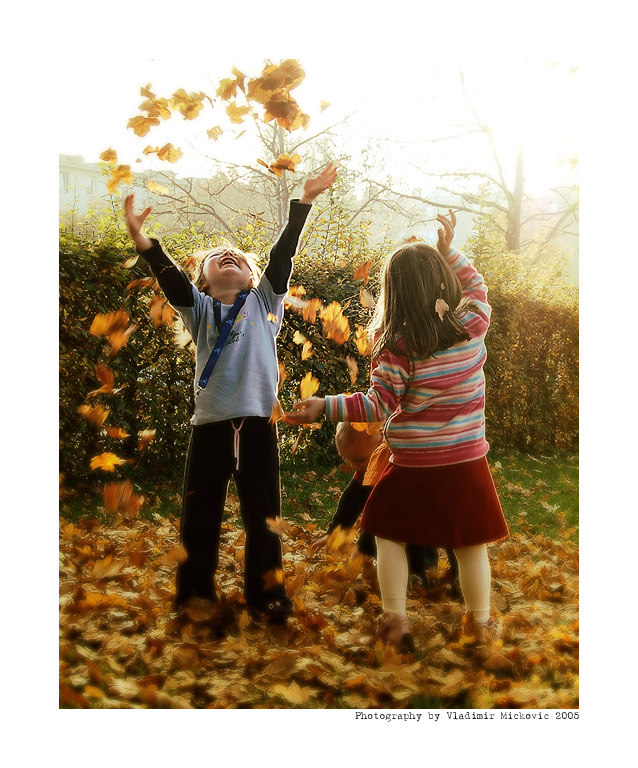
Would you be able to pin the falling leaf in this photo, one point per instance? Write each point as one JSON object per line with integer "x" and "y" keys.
{"x": 107, "y": 378}
{"x": 106, "y": 461}
{"x": 169, "y": 153}
{"x": 441, "y": 307}
{"x": 363, "y": 341}
{"x": 161, "y": 311}
{"x": 117, "y": 433}
{"x": 324, "y": 105}
{"x": 176, "y": 555}
{"x": 145, "y": 436}
{"x": 283, "y": 374}
{"x": 309, "y": 385}
{"x": 353, "y": 368}
{"x": 362, "y": 272}
{"x": 335, "y": 324}
{"x": 158, "y": 189}
{"x": 277, "y": 413}
{"x": 188, "y": 104}
{"x": 273, "y": 578}
{"x": 235, "y": 113}
{"x": 306, "y": 351}
{"x": 277, "y": 525}
{"x": 142, "y": 125}
{"x": 109, "y": 156}
{"x": 299, "y": 338}
{"x": 96, "y": 415}
{"x": 143, "y": 282}
{"x": 119, "y": 174}
{"x": 214, "y": 133}
{"x": 366, "y": 298}
{"x": 131, "y": 262}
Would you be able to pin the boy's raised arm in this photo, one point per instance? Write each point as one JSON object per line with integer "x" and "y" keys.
{"x": 173, "y": 281}
{"x": 280, "y": 262}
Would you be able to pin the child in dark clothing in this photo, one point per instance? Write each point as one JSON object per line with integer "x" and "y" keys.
{"x": 234, "y": 317}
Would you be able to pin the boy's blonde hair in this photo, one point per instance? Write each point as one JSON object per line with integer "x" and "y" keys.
{"x": 249, "y": 258}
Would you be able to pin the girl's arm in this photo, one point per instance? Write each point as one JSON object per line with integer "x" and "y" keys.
{"x": 173, "y": 281}
{"x": 388, "y": 384}
{"x": 472, "y": 284}
{"x": 280, "y": 263}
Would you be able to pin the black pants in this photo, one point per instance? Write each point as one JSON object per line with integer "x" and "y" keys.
{"x": 209, "y": 466}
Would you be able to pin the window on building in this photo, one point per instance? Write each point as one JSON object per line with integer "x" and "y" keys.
{"x": 90, "y": 189}
{"x": 64, "y": 181}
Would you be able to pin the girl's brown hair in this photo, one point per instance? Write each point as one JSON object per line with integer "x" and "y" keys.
{"x": 249, "y": 258}
{"x": 414, "y": 277}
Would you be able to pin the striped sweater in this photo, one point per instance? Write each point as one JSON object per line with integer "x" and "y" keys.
{"x": 433, "y": 407}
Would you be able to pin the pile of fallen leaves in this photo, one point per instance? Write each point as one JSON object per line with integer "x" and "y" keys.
{"x": 123, "y": 646}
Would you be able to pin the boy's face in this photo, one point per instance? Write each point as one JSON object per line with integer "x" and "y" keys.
{"x": 226, "y": 270}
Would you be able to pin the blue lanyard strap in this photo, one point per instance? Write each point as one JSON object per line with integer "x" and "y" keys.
{"x": 224, "y": 330}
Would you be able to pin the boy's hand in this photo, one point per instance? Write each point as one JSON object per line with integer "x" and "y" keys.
{"x": 446, "y": 235}
{"x": 315, "y": 185}
{"x": 134, "y": 222}
{"x": 306, "y": 411}
{"x": 319, "y": 544}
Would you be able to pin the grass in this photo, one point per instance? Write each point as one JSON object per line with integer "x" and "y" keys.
{"x": 538, "y": 494}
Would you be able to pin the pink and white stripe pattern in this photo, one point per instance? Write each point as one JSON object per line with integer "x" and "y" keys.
{"x": 434, "y": 407}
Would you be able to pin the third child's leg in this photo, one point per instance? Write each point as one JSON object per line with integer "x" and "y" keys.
{"x": 475, "y": 578}
{"x": 392, "y": 571}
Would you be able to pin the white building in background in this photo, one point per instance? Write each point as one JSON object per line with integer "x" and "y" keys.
{"x": 82, "y": 185}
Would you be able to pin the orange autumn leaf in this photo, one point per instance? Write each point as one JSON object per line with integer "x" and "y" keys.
{"x": 145, "y": 436}
{"x": 116, "y": 433}
{"x": 106, "y": 461}
{"x": 362, "y": 272}
{"x": 363, "y": 341}
{"x": 119, "y": 174}
{"x": 107, "y": 568}
{"x": 277, "y": 413}
{"x": 113, "y": 325}
{"x": 284, "y": 162}
{"x": 306, "y": 351}
{"x": 109, "y": 156}
{"x": 96, "y": 415}
{"x": 161, "y": 311}
{"x": 188, "y": 104}
{"x": 353, "y": 368}
{"x": 176, "y": 555}
{"x": 310, "y": 310}
{"x": 277, "y": 525}
{"x": 143, "y": 282}
{"x": 273, "y": 578}
{"x": 283, "y": 375}
{"x": 107, "y": 378}
{"x": 142, "y": 125}
{"x": 309, "y": 385}
{"x": 335, "y": 323}
{"x": 169, "y": 153}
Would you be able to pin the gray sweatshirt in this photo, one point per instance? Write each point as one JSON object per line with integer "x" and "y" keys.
{"x": 244, "y": 381}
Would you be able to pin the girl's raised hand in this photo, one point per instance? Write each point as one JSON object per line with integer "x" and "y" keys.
{"x": 306, "y": 411}
{"x": 315, "y": 185}
{"x": 134, "y": 222}
{"x": 446, "y": 235}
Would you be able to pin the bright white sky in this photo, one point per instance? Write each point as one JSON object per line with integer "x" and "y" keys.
{"x": 397, "y": 69}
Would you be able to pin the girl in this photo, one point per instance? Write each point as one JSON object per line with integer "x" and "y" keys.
{"x": 429, "y": 388}
{"x": 233, "y": 317}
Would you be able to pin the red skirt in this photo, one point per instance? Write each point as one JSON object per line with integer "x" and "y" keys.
{"x": 451, "y": 506}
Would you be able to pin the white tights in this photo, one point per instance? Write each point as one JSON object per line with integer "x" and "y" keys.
{"x": 474, "y": 576}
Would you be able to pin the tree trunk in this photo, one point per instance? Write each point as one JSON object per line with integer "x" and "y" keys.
{"x": 513, "y": 234}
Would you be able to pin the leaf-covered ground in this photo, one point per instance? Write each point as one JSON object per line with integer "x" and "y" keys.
{"x": 123, "y": 646}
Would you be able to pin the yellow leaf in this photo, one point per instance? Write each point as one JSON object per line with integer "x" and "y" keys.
{"x": 96, "y": 415}
{"x": 131, "y": 262}
{"x": 335, "y": 324}
{"x": 214, "y": 133}
{"x": 189, "y": 104}
{"x": 309, "y": 385}
{"x": 299, "y": 338}
{"x": 324, "y": 105}
{"x": 306, "y": 351}
{"x": 120, "y": 174}
{"x": 277, "y": 412}
{"x": 159, "y": 189}
{"x": 109, "y": 156}
{"x": 107, "y": 568}
{"x": 169, "y": 153}
{"x": 142, "y": 125}
{"x": 363, "y": 342}
{"x": 366, "y": 298}
{"x": 106, "y": 461}
{"x": 283, "y": 375}
{"x": 235, "y": 113}
{"x": 145, "y": 435}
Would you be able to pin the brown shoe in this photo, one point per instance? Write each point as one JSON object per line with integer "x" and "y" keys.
{"x": 395, "y": 629}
